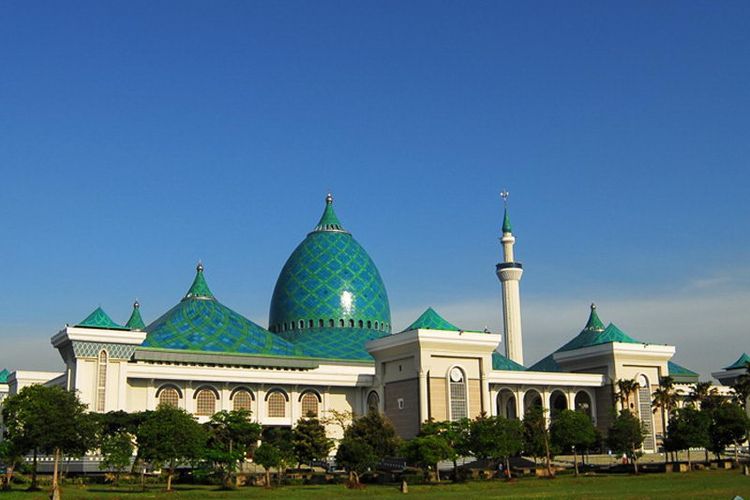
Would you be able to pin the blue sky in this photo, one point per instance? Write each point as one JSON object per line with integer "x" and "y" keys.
{"x": 139, "y": 137}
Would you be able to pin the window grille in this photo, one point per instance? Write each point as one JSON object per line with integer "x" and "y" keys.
{"x": 205, "y": 403}
{"x": 309, "y": 405}
{"x": 242, "y": 400}
{"x": 276, "y": 405}
{"x": 458, "y": 405}
{"x": 101, "y": 381}
{"x": 169, "y": 397}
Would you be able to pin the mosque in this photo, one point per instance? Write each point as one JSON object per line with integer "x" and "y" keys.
{"x": 330, "y": 347}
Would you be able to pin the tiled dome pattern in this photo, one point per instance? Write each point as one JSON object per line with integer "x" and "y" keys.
{"x": 323, "y": 268}
{"x": 329, "y": 284}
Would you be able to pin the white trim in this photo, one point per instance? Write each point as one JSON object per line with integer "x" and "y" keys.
{"x": 558, "y": 379}
{"x": 70, "y": 333}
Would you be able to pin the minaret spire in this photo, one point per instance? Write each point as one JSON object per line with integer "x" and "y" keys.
{"x": 509, "y": 272}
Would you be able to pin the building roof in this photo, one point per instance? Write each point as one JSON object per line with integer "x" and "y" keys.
{"x": 431, "y": 320}
{"x": 199, "y": 322}
{"x": 135, "y": 322}
{"x": 680, "y": 374}
{"x": 740, "y": 363}
{"x": 500, "y": 362}
{"x": 329, "y": 278}
{"x": 336, "y": 343}
{"x": 594, "y": 333}
{"x": 100, "y": 319}
{"x": 4, "y": 376}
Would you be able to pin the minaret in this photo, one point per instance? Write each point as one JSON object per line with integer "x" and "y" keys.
{"x": 509, "y": 271}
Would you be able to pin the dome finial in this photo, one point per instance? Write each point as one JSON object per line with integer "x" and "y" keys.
{"x": 593, "y": 306}
{"x": 136, "y": 304}
{"x": 199, "y": 267}
{"x": 329, "y": 199}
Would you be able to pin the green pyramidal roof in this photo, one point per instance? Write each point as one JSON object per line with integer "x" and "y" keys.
{"x": 100, "y": 319}
{"x": 507, "y": 228}
{"x": 4, "y": 376}
{"x": 329, "y": 221}
{"x": 500, "y": 362}
{"x": 136, "y": 321}
{"x": 740, "y": 363}
{"x": 199, "y": 322}
{"x": 199, "y": 289}
{"x": 431, "y": 320}
{"x": 594, "y": 333}
{"x": 680, "y": 374}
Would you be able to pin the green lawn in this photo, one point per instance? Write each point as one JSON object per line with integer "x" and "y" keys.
{"x": 700, "y": 484}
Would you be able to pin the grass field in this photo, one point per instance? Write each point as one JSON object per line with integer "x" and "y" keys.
{"x": 724, "y": 484}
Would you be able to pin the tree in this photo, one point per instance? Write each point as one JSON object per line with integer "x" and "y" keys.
{"x": 427, "y": 451}
{"x": 11, "y": 456}
{"x": 356, "y": 456}
{"x": 626, "y": 436}
{"x": 375, "y": 430}
{"x": 536, "y": 436}
{"x": 572, "y": 430}
{"x": 688, "y": 428}
{"x": 455, "y": 433}
{"x": 282, "y": 439}
{"x": 49, "y": 420}
{"x": 700, "y": 393}
{"x": 626, "y": 389}
{"x": 729, "y": 425}
{"x": 168, "y": 436}
{"x": 495, "y": 439}
{"x": 741, "y": 388}
{"x": 268, "y": 455}
{"x": 310, "y": 441}
{"x": 117, "y": 451}
{"x": 231, "y": 437}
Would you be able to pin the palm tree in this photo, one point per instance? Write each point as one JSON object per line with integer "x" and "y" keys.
{"x": 700, "y": 393}
{"x": 627, "y": 388}
{"x": 665, "y": 398}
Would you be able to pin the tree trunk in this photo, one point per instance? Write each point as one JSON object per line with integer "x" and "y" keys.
{"x": 8, "y": 477}
{"x": 548, "y": 457}
{"x": 455, "y": 470}
{"x": 169, "y": 475}
{"x": 635, "y": 462}
{"x": 736, "y": 456}
{"x": 690, "y": 466}
{"x": 34, "y": 486}
{"x": 437, "y": 473}
{"x": 268, "y": 477}
{"x": 55, "y": 484}
{"x": 575, "y": 461}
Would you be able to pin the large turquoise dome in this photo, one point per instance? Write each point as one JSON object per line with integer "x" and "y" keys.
{"x": 330, "y": 291}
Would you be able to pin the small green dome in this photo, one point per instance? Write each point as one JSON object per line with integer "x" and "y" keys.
{"x": 329, "y": 282}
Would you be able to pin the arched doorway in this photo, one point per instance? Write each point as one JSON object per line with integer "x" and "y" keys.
{"x": 532, "y": 399}
{"x": 583, "y": 403}
{"x": 558, "y": 402}
{"x": 506, "y": 404}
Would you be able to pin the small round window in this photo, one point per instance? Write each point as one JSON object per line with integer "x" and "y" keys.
{"x": 457, "y": 375}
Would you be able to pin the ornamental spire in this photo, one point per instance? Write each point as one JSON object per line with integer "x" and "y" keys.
{"x": 199, "y": 289}
{"x": 136, "y": 321}
{"x": 329, "y": 221}
{"x": 594, "y": 324}
{"x": 507, "y": 228}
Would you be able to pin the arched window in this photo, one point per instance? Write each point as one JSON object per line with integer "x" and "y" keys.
{"x": 376, "y": 326}
{"x": 205, "y": 402}
{"x": 242, "y": 400}
{"x": 320, "y": 323}
{"x": 369, "y": 324}
{"x": 331, "y": 323}
{"x": 301, "y": 324}
{"x": 101, "y": 381}
{"x": 644, "y": 408}
{"x": 276, "y": 404}
{"x": 341, "y": 323}
{"x": 583, "y": 403}
{"x": 351, "y": 323}
{"x": 169, "y": 396}
{"x": 309, "y": 404}
{"x": 458, "y": 406}
{"x": 361, "y": 323}
{"x": 558, "y": 402}
{"x": 373, "y": 402}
